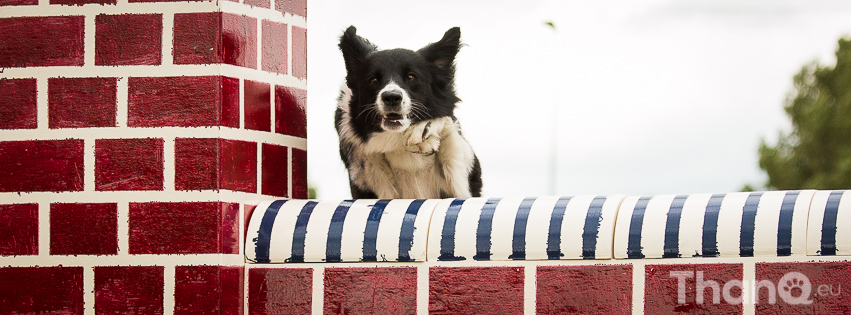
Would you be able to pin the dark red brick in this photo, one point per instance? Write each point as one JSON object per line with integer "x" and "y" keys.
{"x": 41, "y": 290}
{"x": 230, "y": 102}
{"x": 238, "y": 165}
{"x": 258, "y": 108}
{"x": 275, "y": 170}
{"x": 299, "y": 174}
{"x": 41, "y": 41}
{"x": 18, "y": 2}
{"x": 181, "y": 102}
{"x": 370, "y": 290}
{"x": 274, "y": 48}
{"x": 279, "y": 290}
{"x": 197, "y": 37}
{"x": 48, "y": 165}
{"x": 246, "y": 217}
{"x": 476, "y": 290}
{"x": 128, "y": 164}
{"x": 584, "y": 289}
{"x": 82, "y": 102}
{"x": 661, "y": 289}
{"x": 19, "y": 229}
{"x": 83, "y": 229}
{"x": 184, "y": 228}
{"x": 290, "y": 111}
{"x": 295, "y": 7}
{"x": 258, "y": 3}
{"x": 18, "y": 104}
{"x": 299, "y": 51}
{"x": 129, "y": 290}
{"x": 196, "y": 164}
{"x": 828, "y": 286}
{"x": 239, "y": 40}
{"x": 208, "y": 290}
{"x": 128, "y": 39}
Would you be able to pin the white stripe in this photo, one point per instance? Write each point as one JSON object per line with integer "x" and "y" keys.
{"x": 538, "y": 227}
{"x": 843, "y": 226}
{"x": 502, "y": 229}
{"x": 435, "y": 229}
{"x": 814, "y": 222}
{"x": 799, "y": 222}
{"x": 691, "y": 225}
{"x": 421, "y": 230}
{"x": 653, "y": 226}
{"x": 572, "y": 226}
{"x": 352, "y": 242}
{"x": 316, "y": 239}
{"x": 283, "y": 228}
{"x": 621, "y": 229}
{"x": 253, "y": 228}
{"x": 606, "y": 232}
{"x": 387, "y": 244}
{"x": 766, "y": 223}
{"x": 730, "y": 224}
{"x": 465, "y": 228}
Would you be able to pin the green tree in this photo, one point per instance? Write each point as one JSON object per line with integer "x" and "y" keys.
{"x": 817, "y": 153}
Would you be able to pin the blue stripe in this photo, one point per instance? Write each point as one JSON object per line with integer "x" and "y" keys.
{"x": 784, "y": 226}
{"x": 447, "y": 239}
{"x": 748, "y": 224}
{"x": 828, "y": 224}
{"x": 370, "y": 232}
{"x": 335, "y": 232}
{"x": 264, "y": 234}
{"x": 672, "y": 228}
{"x": 406, "y": 235}
{"x": 483, "y": 231}
{"x": 518, "y": 244}
{"x": 554, "y": 235}
{"x": 633, "y": 247}
{"x": 592, "y": 228}
{"x": 710, "y": 226}
{"x": 297, "y": 251}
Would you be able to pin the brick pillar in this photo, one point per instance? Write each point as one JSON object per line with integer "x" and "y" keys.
{"x": 134, "y": 135}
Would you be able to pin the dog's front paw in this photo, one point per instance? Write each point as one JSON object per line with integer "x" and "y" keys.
{"x": 424, "y": 138}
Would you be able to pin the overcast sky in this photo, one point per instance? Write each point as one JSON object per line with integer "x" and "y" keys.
{"x": 641, "y": 96}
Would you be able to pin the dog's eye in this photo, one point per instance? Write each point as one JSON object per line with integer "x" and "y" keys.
{"x": 411, "y": 77}
{"x": 373, "y": 81}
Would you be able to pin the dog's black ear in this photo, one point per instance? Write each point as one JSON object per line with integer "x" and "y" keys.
{"x": 355, "y": 49}
{"x": 442, "y": 53}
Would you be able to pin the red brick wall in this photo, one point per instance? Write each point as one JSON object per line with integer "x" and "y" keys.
{"x": 133, "y": 136}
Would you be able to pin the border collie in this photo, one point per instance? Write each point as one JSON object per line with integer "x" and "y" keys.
{"x": 399, "y": 137}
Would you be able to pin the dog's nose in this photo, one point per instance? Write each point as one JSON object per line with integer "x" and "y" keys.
{"x": 391, "y": 98}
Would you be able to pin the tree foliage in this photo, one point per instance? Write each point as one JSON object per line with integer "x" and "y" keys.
{"x": 817, "y": 153}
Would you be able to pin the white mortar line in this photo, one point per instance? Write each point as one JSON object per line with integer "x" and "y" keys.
{"x": 168, "y": 164}
{"x": 259, "y": 168}
{"x": 290, "y": 170}
{"x": 45, "y": 9}
{"x": 89, "y": 165}
{"x": 168, "y": 35}
{"x": 318, "y": 291}
{"x": 127, "y": 260}
{"x": 638, "y": 287}
{"x": 121, "y": 99}
{"x": 530, "y": 288}
{"x": 133, "y": 196}
{"x": 43, "y": 232}
{"x": 168, "y": 290}
{"x": 42, "y": 107}
{"x": 245, "y": 290}
{"x": 241, "y": 103}
{"x": 89, "y": 291}
{"x": 123, "y": 228}
{"x": 89, "y": 40}
{"x": 748, "y": 281}
{"x": 422, "y": 289}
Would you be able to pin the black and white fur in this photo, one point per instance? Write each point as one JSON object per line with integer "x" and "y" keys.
{"x": 399, "y": 137}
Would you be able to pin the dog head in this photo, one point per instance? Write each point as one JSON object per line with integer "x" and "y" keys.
{"x": 392, "y": 89}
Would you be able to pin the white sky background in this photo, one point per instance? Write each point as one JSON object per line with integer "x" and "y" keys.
{"x": 644, "y": 97}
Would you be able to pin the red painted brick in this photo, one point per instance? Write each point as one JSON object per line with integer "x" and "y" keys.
{"x": 290, "y": 111}
{"x": 18, "y": 104}
{"x": 828, "y": 286}
{"x": 197, "y": 37}
{"x": 258, "y": 3}
{"x": 41, "y": 41}
{"x": 18, "y": 2}
{"x": 274, "y": 47}
{"x": 208, "y": 290}
{"x": 299, "y": 174}
{"x": 661, "y": 289}
{"x": 49, "y": 165}
{"x": 258, "y": 107}
{"x": 129, "y": 290}
{"x": 82, "y": 2}
{"x": 584, "y": 289}
{"x": 180, "y": 102}
{"x": 19, "y": 229}
{"x": 128, "y": 39}
{"x": 83, "y": 229}
{"x": 82, "y": 102}
{"x": 239, "y": 40}
{"x": 128, "y": 164}
{"x": 279, "y": 291}
{"x": 184, "y": 228}
{"x": 196, "y": 164}
{"x": 238, "y": 165}
{"x": 299, "y": 51}
{"x": 476, "y": 290}
{"x": 275, "y": 170}
{"x": 230, "y": 102}
{"x": 370, "y": 290}
{"x": 295, "y": 7}
{"x": 41, "y": 290}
